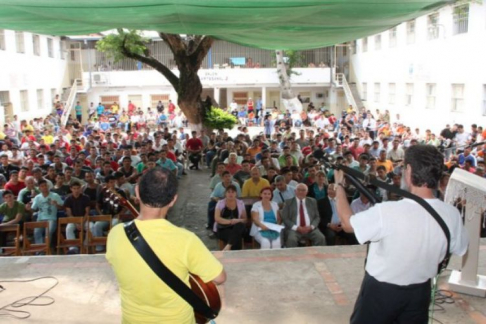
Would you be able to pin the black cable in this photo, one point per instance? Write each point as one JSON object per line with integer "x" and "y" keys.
{"x": 7, "y": 311}
{"x": 442, "y": 297}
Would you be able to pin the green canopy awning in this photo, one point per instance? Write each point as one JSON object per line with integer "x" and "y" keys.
{"x": 268, "y": 24}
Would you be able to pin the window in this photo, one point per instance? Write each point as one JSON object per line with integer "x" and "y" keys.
{"x": 36, "y": 42}
{"x": 19, "y": 42}
{"x": 484, "y": 100}
{"x": 365, "y": 44}
{"x": 4, "y": 98}
{"x": 50, "y": 47}
{"x": 430, "y": 90}
{"x": 392, "y": 37}
{"x": 377, "y": 42}
{"x": 411, "y": 32}
{"x": 364, "y": 94}
{"x": 40, "y": 99}
{"x": 391, "y": 93}
{"x": 109, "y": 101}
{"x": 62, "y": 49}
{"x": 2, "y": 40}
{"x": 24, "y": 100}
{"x": 154, "y": 100}
{"x": 433, "y": 26}
{"x": 457, "y": 98}
{"x": 53, "y": 96}
{"x": 408, "y": 94}
{"x": 304, "y": 96}
{"x": 377, "y": 92}
{"x": 241, "y": 98}
{"x": 460, "y": 17}
{"x": 353, "y": 47}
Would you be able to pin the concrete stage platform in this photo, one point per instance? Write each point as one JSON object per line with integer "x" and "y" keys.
{"x": 305, "y": 285}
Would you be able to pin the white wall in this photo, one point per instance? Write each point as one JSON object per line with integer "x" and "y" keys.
{"x": 450, "y": 59}
{"x": 209, "y": 78}
{"x": 149, "y": 82}
{"x": 30, "y": 72}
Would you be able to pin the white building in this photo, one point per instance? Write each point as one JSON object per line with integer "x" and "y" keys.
{"x": 33, "y": 70}
{"x": 430, "y": 70}
{"x": 145, "y": 88}
{"x": 228, "y": 72}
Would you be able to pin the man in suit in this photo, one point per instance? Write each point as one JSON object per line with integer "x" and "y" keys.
{"x": 330, "y": 225}
{"x": 301, "y": 219}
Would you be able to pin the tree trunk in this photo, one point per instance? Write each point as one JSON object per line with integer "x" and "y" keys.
{"x": 189, "y": 52}
{"x": 289, "y": 100}
{"x": 188, "y": 57}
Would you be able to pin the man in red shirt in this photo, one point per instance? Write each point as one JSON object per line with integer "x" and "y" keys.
{"x": 355, "y": 149}
{"x": 131, "y": 108}
{"x": 194, "y": 146}
{"x": 14, "y": 185}
{"x": 171, "y": 107}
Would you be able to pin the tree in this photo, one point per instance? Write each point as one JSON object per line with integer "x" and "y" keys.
{"x": 284, "y": 71}
{"x": 189, "y": 52}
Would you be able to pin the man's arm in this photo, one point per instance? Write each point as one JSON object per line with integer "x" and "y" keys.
{"x": 289, "y": 224}
{"x": 221, "y": 278}
{"x": 315, "y": 220}
{"x": 245, "y": 190}
{"x": 14, "y": 221}
{"x": 342, "y": 205}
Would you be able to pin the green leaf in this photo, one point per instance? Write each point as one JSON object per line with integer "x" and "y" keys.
{"x": 113, "y": 44}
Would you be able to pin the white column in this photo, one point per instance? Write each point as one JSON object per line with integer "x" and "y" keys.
{"x": 216, "y": 96}
{"x": 264, "y": 98}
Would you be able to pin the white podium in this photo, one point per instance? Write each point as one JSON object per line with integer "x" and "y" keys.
{"x": 472, "y": 189}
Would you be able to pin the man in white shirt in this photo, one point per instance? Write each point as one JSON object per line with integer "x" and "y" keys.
{"x": 233, "y": 105}
{"x": 407, "y": 243}
{"x": 462, "y": 138}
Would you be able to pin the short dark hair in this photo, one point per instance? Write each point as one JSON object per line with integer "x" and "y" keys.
{"x": 7, "y": 192}
{"x": 225, "y": 173}
{"x": 157, "y": 187}
{"x": 109, "y": 177}
{"x": 74, "y": 184}
{"x": 427, "y": 165}
{"x": 231, "y": 187}
{"x": 381, "y": 167}
{"x": 42, "y": 181}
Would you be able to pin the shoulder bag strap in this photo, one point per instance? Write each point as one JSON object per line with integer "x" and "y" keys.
{"x": 167, "y": 276}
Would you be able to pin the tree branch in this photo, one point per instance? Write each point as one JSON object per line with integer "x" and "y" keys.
{"x": 202, "y": 50}
{"x": 175, "y": 43}
{"x": 151, "y": 61}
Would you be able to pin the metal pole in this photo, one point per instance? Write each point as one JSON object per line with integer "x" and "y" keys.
{"x": 89, "y": 62}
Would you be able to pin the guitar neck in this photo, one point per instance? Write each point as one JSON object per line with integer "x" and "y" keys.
{"x": 126, "y": 203}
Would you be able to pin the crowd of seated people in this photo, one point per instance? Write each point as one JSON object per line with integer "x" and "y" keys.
{"x": 289, "y": 195}
{"x": 268, "y": 187}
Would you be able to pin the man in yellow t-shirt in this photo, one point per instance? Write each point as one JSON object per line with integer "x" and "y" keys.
{"x": 145, "y": 298}
{"x": 383, "y": 161}
{"x": 253, "y": 186}
{"x": 115, "y": 108}
{"x": 48, "y": 138}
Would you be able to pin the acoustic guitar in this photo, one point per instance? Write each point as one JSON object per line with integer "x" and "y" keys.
{"x": 207, "y": 292}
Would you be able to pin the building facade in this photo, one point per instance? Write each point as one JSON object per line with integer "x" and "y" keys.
{"x": 429, "y": 70}
{"x": 33, "y": 69}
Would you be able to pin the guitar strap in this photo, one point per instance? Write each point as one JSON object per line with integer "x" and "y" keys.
{"x": 167, "y": 276}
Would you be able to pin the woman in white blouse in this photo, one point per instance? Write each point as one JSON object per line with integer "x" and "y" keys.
{"x": 264, "y": 213}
